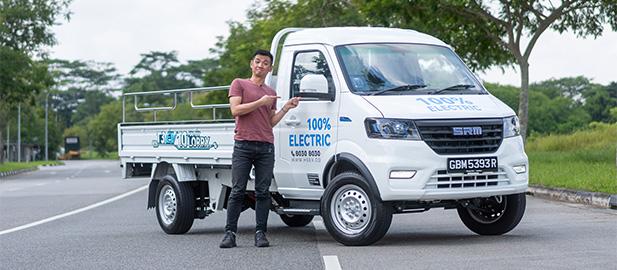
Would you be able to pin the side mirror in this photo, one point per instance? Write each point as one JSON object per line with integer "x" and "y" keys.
{"x": 314, "y": 86}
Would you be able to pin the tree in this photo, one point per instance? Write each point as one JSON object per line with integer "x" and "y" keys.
{"x": 599, "y": 102}
{"x": 157, "y": 71}
{"x": 595, "y": 99}
{"x": 86, "y": 75}
{"x": 485, "y": 30}
{"x": 548, "y": 114}
{"x": 25, "y": 28}
{"x": 81, "y": 88}
{"x": 263, "y": 22}
{"x": 569, "y": 87}
{"x": 103, "y": 128}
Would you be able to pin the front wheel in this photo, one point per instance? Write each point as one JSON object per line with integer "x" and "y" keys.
{"x": 175, "y": 207}
{"x": 493, "y": 215}
{"x": 353, "y": 215}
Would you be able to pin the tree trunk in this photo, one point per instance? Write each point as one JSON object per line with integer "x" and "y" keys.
{"x": 523, "y": 101}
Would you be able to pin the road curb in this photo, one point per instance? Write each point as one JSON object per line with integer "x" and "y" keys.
{"x": 9, "y": 173}
{"x": 595, "y": 199}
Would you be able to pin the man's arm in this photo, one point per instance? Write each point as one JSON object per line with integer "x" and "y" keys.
{"x": 275, "y": 117}
{"x": 237, "y": 108}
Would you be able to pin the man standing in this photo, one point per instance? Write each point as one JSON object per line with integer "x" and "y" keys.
{"x": 253, "y": 104}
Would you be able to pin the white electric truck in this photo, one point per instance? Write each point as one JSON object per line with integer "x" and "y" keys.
{"x": 390, "y": 121}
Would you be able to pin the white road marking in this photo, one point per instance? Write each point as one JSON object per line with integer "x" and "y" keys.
{"x": 331, "y": 262}
{"x": 14, "y": 189}
{"x": 40, "y": 184}
{"x": 92, "y": 206}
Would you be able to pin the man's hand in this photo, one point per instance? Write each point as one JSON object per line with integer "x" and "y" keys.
{"x": 292, "y": 103}
{"x": 267, "y": 100}
{"x": 275, "y": 117}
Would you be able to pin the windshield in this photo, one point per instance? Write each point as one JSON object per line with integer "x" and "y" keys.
{"x": 395, "y": 69}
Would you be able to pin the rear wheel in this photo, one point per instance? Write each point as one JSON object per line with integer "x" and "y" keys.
{"x": 175, "y": 207}
{"x": 296, "y": 220}
{"x": 353, "y": 215}
{"x": 494, "y": 215}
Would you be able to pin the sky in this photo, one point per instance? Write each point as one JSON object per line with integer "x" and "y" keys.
{"x": 119, "y": 31}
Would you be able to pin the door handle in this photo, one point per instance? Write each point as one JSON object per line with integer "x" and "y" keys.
{"x": 292, "y": 121}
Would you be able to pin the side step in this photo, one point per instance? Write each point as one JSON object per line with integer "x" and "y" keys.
{"x": 296, "y": 211}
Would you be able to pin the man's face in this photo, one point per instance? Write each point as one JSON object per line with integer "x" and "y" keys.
{"x": 261, "y": 65}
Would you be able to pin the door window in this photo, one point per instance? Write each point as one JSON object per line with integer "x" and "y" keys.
{"x": 310, "y": 62}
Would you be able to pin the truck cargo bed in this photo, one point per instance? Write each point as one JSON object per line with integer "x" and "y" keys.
{"x": 182, "y": 143}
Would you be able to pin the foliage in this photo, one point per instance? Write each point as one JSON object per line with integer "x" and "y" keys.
{"x": 86, "y": 75}
{"x": 613, "y": 115}
{"x": 103, "y": 128}
{"x": 14, "y": 166}
{"x": 25, "y": 28}
{"x": 599, "y": 101}
{"x": 80, "y": 88}
{"x": 558, "y": 115}
{"x": 112, "y": 155}
{"x": 597, "y": 136}
{"x": 158, "y": 71}
{"x": 591, "y": 170}
{"x": 263, "y": 22}
{"x": 20, "y": 77}
{"x": 33, "y": 128}
{"x": 552, "y": 111}
{"x": 584, "y": 160}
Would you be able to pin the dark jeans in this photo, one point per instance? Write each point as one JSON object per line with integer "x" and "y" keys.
{"x": 247, "y": 154}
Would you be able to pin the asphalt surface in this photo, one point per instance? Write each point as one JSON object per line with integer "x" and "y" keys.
{"x": 124, "y": 235}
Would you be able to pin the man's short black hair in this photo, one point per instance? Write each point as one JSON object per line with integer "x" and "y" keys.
{"x": 264, "y": 53}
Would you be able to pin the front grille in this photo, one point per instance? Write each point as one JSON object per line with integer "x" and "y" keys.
{"x": 443, "y": 180}
{"x": 438, "y": 134}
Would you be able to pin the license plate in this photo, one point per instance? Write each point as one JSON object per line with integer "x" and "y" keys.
{"x": 472, "y": 164}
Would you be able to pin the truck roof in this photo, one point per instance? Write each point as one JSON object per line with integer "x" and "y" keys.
{"x": 353, "y": 35}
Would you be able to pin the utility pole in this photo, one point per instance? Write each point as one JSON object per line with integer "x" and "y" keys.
{"x": 46, "y": 140}
{"x": 19, "y": 132}
{"x": 8, "y": 146}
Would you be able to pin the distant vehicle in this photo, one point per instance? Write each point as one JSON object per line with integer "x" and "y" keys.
{"x": 71, "y": 148}
{"x": 391, "y": 121}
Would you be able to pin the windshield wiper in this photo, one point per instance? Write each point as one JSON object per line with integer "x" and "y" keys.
{"x": 454, "y": 87}
{"x": 399, "y": 88}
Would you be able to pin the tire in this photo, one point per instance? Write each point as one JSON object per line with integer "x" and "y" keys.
{"x": 296, "y": 220}
{"x": 352, "y": 214}
{"x": 494, "y": 215}
{"x": 175, "y": 205}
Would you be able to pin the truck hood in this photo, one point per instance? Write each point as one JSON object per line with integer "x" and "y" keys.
{"x": 439, "y": 106}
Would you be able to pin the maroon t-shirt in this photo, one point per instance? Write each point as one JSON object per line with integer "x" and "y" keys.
{"x": 253, "y": 126}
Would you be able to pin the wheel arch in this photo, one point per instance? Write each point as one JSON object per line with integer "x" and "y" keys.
{"x": 159, "y": 170}
{"x": 343, "y": 162}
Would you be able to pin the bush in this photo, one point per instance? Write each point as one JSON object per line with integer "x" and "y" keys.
{"x": 598, "y": 136}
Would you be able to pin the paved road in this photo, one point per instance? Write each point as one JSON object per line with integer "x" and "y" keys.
{"x": 123, "y": 235}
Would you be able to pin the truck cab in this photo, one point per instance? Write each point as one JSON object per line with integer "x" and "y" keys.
{"x": 390, "y": 121}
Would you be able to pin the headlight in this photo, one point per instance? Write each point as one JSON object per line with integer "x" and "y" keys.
{"x": 385, "y": 128}
{"x": 511, "y": 127}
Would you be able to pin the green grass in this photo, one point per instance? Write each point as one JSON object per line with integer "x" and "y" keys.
{"x": 584, "y": 160}
{"x": 13, "y": 166}
{"x": 94, "y": 155}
